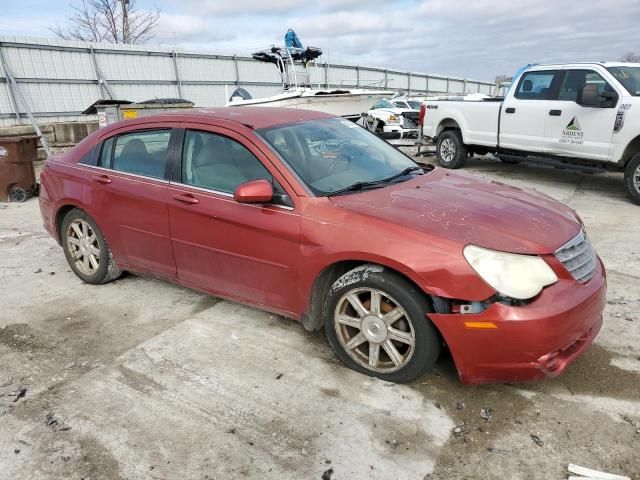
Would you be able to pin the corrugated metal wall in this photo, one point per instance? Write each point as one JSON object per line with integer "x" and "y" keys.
{"x": 59, "y": 79}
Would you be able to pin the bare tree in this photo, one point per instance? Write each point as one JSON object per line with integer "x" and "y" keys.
{"x": 114, "y": 21}
{"x": 631, "y": 57}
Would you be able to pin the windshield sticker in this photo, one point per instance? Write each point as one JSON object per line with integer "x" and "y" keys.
{"x": 572, "y": 133}
{"x": 619, "y": 123}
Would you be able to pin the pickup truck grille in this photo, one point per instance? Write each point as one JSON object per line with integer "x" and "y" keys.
{"x": 578, "y": 257}
{"x": 410, "y": 119}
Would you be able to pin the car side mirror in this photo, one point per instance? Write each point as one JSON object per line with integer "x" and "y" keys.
{"x": 608, "y": 99}
{"x": 588, "y": 96}
{"x": 255, "y": 191}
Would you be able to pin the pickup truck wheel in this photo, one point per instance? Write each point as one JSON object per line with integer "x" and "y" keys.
{"x": 632, "y": 179}
{"x": 376, "y": 323}
{"x": 450, "y": 151}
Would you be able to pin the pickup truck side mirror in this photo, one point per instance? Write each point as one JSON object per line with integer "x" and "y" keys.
{"x": 588, "y": 96}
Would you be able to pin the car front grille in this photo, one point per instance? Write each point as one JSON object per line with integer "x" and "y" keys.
{"x": 578, "y": 257}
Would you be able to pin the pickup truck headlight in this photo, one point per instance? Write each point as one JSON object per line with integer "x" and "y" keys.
{"x": 394, "y": 118}
{"x": 517, "y": 276}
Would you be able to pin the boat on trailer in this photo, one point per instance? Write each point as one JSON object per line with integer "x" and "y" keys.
{"x": 296, "y": 65}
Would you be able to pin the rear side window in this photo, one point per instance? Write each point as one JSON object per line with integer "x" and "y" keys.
{"x": 535, "y": 86}
{"x": 142, "y": 153}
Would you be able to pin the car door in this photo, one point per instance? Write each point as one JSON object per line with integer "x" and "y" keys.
{"x": 523, "y": 114}
{"x": 244, "y": 251}
{"x": 127, "y": 189}
{"x": 576, "y": 130}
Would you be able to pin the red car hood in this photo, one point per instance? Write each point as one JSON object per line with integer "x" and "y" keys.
{"x": 470, "y": 210}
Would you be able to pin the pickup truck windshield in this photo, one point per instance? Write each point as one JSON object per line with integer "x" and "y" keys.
{"x": 332, "y": 154}
{"x": 629, "y": 77}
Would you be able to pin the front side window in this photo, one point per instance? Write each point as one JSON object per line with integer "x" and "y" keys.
{"x": 219, "y": 163}
{"x": 332, "y": 154}
{"x": 142, "y": 153}
{"x": 415, "y": 105}
{"x": 535, "y": 86}
{"x": 576, "y": 80}
{"x": 629, "y": 77}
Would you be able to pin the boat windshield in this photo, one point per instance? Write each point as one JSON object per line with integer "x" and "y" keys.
{"x": 629, "y": 77}
{"x": 334, "y": 155}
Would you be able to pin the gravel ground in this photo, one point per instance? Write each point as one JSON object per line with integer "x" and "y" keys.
{"x": 141, "y": 379}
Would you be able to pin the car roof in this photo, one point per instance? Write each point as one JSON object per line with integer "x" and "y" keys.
{"x": 252, "y": 117}
{"x": 582, "y": 64}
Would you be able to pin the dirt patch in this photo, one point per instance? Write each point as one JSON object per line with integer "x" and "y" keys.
{"x": 20, "y": 336}
{"x": 503, "y": 442}
{"x": 138, "y": 381}
{"x": 593, "y": 374}
{"x": 330, "y": 392}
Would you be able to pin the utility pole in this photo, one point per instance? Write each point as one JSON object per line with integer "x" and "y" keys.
{"x": 125, "y": 22}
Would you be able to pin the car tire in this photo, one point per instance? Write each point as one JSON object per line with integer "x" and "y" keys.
{"x": 451, "y": 152}
{"x": 387, "y": 334}
{"x": 632, "y": 178}
{"x": 86, "y": 249}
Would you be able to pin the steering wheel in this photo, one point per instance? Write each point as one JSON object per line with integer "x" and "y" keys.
{"x": 343, "y": 153}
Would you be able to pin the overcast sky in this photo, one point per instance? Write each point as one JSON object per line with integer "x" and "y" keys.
{"x": 477, "y": 39}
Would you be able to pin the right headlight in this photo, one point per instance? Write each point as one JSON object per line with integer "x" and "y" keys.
{"x": 517, "y": 276}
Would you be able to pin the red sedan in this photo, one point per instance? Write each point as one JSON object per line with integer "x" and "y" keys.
{"x": 314, "y": 218}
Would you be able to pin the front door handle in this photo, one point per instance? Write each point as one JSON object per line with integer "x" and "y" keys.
{"x": 555, "y": 113}
{"x": 510, "y": 110}
{"x": 186, "y": 198}
{"x": 103, "y": 179}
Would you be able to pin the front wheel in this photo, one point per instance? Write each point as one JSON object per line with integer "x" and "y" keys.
{"x": 376, "y": 323}
{"x": 86, "y": 249}
{"x": 632, "y": 179}
{"x": 451, "y": 152}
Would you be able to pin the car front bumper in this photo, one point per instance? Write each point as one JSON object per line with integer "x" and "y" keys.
{"x": 530, "y": 342}
{"x": 398, "y": 131}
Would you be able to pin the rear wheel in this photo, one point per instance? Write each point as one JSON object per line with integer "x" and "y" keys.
{"x": 632, "y": 179}
{"x": 376, "y": 323}
{"x": 86, "y": 249}
{"x": 451, "y": 152}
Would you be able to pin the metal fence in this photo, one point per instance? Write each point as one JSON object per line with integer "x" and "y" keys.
{"x": 59, "y": 79}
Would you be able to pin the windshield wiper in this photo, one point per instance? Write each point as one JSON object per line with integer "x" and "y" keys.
{"x": 404, "y": 172}
{"x": 354, "y": 187}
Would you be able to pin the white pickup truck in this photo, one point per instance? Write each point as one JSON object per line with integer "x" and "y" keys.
{"x": 581, "y": 114}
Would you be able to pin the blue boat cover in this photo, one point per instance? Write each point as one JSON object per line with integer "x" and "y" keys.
{"x": 291, "y": 40}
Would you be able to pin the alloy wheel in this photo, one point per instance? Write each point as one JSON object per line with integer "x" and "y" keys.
{"x": 374, "y": 330}
{"x": 83, "y": 245}
{"x": 447, "y": 150}
{"x": 635, "y": 178}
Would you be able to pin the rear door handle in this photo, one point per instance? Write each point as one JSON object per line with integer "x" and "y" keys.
{"x": 186, "y": 198}
{"x": 103, "y": 179}
{"x": 555, "y": 113}
{"x": 510, "y": 110}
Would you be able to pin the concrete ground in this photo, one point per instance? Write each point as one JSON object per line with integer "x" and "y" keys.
{"x": 141, "y": 379}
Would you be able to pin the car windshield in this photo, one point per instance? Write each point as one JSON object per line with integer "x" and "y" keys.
{"x": 629, "y": 77}
{"x": 414, "y": 105}
{"x": 333, "y": 154}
